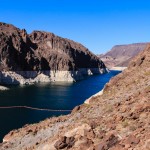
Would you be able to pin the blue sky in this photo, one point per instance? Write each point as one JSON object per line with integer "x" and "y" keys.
{"x": 97, "y": 24}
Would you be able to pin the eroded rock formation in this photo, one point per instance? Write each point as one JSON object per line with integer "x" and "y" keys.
{"x": 23, "y": 57}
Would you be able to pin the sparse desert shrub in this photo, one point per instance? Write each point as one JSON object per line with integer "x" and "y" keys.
{"x": 147, "y": 73}
{"x": 133, "y": 128}
{"x": 125, "y": 123}
{"x": 109, "y": 108}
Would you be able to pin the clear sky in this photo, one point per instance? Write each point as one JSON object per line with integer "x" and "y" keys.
{"x": 97, "y": 24}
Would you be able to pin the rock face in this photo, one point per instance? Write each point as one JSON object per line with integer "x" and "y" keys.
{"x": 29, "y": 55}
{"x": 121, "y": 55}
{"x": 117, "y": 118}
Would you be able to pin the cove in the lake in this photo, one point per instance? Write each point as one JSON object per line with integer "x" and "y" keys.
{"x": 58, "y": 95}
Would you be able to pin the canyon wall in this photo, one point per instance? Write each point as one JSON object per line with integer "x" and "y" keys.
{"x": 43, "y": 57}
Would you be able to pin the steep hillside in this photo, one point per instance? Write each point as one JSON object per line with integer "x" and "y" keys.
{"x": 118, "y": 118}
{"x": 25, "y": 55}
{"x": 120, "y": 55}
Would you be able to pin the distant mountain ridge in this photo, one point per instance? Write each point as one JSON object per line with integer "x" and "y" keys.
{"x": 120, "y": 55}
{"x": 42, "y": 52}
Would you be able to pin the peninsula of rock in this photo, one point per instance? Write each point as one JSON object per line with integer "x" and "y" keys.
{"x": 43, "y": 57}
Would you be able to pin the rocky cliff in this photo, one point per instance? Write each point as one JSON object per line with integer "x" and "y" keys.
{"x": 23, "y": 57}
{"x": 121, "y": 55}
{"x": 116, "y": 119}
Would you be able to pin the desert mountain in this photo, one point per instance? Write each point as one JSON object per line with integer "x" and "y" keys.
{"x": 120, "y": 55}
{"x": 28, "y": 55}
{"x": 117, "y": 118}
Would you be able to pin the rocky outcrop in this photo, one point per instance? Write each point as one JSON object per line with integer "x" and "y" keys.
{"x": 3, "y": 88}
{"x": 121, "y": 55}
{"x": 117, "y": 118}
{"x": 23, "y": 57}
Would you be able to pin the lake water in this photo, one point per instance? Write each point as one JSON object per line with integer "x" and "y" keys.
{"x": 52, "y": 96}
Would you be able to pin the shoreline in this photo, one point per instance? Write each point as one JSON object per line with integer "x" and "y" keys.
{"x": 47, "y": 76}
{"x": 3, "y": 88}
{"x": 118, "y": 68}
{"x": 87, "y": 101}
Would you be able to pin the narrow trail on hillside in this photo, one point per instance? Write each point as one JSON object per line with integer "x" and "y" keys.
{"x": 34, "y": 108}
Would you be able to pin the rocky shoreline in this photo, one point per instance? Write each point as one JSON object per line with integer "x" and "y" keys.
{"x": 31, "y": 77}
{"x": 43, "y": 57}
{"x": 3, "y": 88}
{"x": 118, "y": 68}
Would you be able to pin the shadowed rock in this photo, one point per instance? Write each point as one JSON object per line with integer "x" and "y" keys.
{"x": 40, "y": 52}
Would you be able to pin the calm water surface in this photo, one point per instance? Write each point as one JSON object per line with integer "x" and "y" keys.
{"x": 51, "y": 96}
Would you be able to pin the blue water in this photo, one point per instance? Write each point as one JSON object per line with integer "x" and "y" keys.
{"x": 52, "y": 96}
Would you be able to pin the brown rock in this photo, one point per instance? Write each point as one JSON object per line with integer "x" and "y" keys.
{"x": 147, "y": 145}
{"x": 89, "y": 134}
{"x": 119, "y": 118}
{"x": 70, "y": 141}
{"x": 93, "y": 124}
{"x": 101, "y": 146}
{"x": 86, "y": 144}
{"x": 40, "y": 51}
{"x": 64, "y": 142}
{"x": 60, "y": 145}
{"x": 77, "y": 108}
{"x": 110, "y": 141}
{"x": 132, "y": 140}
{"x": 101, "y": 134}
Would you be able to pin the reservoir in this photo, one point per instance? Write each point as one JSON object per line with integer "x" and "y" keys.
{"x": 60, "y": 95}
